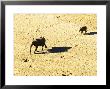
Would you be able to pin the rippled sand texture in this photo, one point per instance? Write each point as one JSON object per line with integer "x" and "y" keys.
{"x": 61, "y": 31}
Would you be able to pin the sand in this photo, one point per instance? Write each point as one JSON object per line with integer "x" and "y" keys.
{"x": 78, "y": 56}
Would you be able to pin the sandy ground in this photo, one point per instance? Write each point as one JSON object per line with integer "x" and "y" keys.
{"x": 78, "y": 56}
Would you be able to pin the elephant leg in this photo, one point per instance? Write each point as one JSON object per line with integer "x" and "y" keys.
{"x": 35, "y": 49}
{"x": 85, "y": 31}
{"x": 42, "y": 48}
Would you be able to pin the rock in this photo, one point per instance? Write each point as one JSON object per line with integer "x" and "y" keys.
{"x": 26, "y": 60}
{"x": 30, "y": 66}
{"x": 63, "y": 75}
{"x": 62, "y": 56}
{"x": 76, "y": 45}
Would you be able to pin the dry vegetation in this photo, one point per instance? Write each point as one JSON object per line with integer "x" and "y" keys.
{"x": 60, "y": 30}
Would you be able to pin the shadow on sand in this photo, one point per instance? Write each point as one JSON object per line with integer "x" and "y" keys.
{"x": 58, "y": 49}
{"x": 90, "y": 33}
{"x": 40, "y": 52}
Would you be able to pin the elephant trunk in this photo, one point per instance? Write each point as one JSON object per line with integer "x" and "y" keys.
{"x": 30, "y": 48}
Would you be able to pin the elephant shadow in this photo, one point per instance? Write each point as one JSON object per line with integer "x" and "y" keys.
{"x": 90, "y": 33}
{"x": 58, "y": 49}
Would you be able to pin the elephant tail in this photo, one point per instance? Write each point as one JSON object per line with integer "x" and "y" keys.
{"x": 45, "y": 46}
